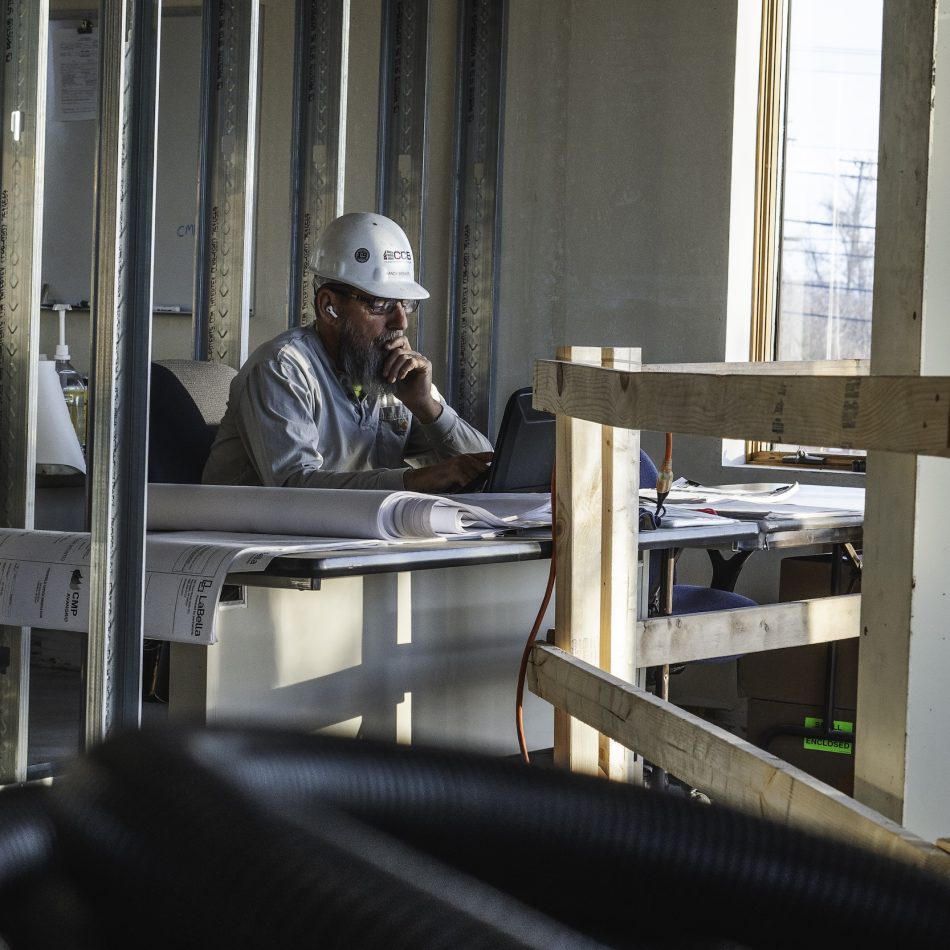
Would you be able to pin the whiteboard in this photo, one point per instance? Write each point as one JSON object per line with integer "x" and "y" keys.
{"x": 69, "y": 179}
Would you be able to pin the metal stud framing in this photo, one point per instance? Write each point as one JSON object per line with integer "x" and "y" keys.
{"x": 121, "y": 305}
{"x": 479, "y": 109}
{"x": 22, "y": 137}
{"x": 318, "y": 138}
{"x": 226, "y": 180}
{"x": 402, "y": 124}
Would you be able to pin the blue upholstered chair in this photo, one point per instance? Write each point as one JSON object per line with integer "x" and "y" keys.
{"x": 687, "y": 598}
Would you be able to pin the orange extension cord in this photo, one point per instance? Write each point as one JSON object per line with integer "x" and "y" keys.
{"x": 664, "y": 478}
{"x": 663, "y": 482}
{"x": 545, "y": 600}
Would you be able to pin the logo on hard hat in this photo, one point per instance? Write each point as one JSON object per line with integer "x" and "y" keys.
{"x": 361, "y": 255}
{"x": 397, "y": 255}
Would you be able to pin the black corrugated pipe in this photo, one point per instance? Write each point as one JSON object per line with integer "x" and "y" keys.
{"x": 253, "y": 837}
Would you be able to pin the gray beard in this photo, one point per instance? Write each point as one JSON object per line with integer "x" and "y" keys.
{"x": 362, "y": 362}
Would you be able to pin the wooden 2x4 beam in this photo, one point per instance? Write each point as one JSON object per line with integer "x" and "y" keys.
{"x": 888, "y": 413}
{"x": 704, "y": 636}
{"x": 729, "y": 769}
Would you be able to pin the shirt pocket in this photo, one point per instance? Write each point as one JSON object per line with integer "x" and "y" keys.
{"x": 394, "y": 422}
{"x": 395, "y": 416}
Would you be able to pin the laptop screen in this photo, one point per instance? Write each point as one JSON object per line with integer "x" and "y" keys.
{"x": 524, "y": 450}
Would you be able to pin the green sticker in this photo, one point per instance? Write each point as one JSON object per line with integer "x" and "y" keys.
{"x": 828, "y": 745}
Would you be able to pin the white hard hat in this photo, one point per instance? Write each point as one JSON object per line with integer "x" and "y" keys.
{"x": 368, "y": 252}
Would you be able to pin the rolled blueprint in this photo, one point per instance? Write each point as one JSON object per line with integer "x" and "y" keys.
{"x": 329, "y": 512}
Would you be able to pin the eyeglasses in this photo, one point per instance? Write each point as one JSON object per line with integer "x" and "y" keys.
{"x": 377, "y": 306}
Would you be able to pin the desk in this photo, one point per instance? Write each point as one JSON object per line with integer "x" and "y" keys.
{"x": 308, "y": 571}
{"x": 415, "y": 641}
{"x": 816, "y": 515}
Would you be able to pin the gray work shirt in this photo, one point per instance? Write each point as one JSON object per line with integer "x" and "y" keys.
{"x": 291, "y": 420}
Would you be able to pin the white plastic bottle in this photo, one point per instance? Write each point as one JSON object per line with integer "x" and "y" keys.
{"x": 74, "y": 389}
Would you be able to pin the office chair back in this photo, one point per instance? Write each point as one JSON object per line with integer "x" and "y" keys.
{"x": 188, "y": 399}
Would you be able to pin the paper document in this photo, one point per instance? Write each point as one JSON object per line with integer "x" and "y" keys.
{"x": 75, "y": 71}
{"x": 44, "y": 578}
{"x": 524, "y": 507}
{"x": 328, "y": 512}
{"x": 763, "y": 501}
{"x": 680, "y": 516}
{"x": 686, "y": 492}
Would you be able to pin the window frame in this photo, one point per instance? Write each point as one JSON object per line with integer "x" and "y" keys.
{"x": 770, "y": 120}
{"x": 767, "y": 225}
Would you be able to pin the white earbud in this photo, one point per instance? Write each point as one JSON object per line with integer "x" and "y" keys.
{"x": 332, "y": 312}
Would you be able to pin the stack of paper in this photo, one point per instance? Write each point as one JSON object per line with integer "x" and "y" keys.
{"x": 764, "y": 500}
{"x": 339, "y": 512}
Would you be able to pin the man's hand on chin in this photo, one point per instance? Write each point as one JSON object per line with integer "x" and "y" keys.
{"x": 450, "y": 475}
{"x": 411, "y": 373}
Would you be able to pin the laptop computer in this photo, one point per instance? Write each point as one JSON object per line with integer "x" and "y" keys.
{"x": 524, "y": 450}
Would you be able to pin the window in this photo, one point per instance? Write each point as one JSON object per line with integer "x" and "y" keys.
{"x": 816, "y": 178}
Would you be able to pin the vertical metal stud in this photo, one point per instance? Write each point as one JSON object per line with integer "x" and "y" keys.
{"x": 318, "y": 138}
{"x": 478, "y": 118}
{"x": 404, "y": 73}
{"x": 22, "y": 139}
{"x": 226, "y": 179}
{"x": 121, "y": 307}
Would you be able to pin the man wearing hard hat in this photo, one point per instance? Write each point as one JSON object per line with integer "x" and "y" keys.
{"x": 346, "y": 402}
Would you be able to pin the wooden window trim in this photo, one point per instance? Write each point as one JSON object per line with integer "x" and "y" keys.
{"x": 768, "y": 183}
{"x": 767, "y": 225}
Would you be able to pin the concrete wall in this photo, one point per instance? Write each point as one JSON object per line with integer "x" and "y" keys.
{"x": 615, "y": 178}
{"x": 616, "y": 185}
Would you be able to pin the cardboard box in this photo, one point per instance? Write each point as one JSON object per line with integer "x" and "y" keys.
{"x": 810, "y": 576}
{"x": 831, "y": 762}
{"x": 798, "y": 674}
{"x": 706, "y": 686}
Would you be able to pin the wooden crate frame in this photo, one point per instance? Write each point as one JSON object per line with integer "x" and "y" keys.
{"x": 602, "y": 399}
